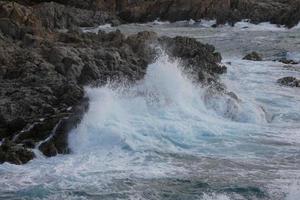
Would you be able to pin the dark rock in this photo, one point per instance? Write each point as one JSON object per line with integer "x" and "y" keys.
{"x": 68, "y": 13}
{"x": 233, "y": 95}
{"x": 289, "y": 81}
{"x": 9, "y": 28}
{"x": 16, "y": 125}
{"x": 28, "y": 143}
{"x": 31, "y": 40}
{"x": 58, "y": 16}
{"x": 253, "y": 56}
{"x": 287, "y": 61}
{"x": 39, "y": 131}
{"x": 15, "y": 154}
{"x": 48, "y": 149}
{"x": 89, "y": 73}
{"x": 58, "y": 143}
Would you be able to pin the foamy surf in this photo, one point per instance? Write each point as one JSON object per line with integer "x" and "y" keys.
{"x": 169, "y": 138}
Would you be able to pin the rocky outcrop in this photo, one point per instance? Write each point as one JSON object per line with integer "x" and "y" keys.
{"x": 174, "y": 10}
{"x": 285, "y": 12}
{"x": 58, "y": 16}
{"x": 253, "y": 56}
{"x": 15, "y": 154}
{"x": 43, "y": 72}
{"x": 17, "y": 19}
{"x": 289, "y": 81}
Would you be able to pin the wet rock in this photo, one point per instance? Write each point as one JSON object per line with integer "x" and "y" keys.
{"x": 15, "y": 154}
{"x": 58, "y": 141}
{"x": 233, "y": 95}
{"x": 289, "y": 81}
{"x": 253, "y": 56}
{"x": 28, "y": 144}
{"x": 48, "y": 149}
{"x": 288, "y": 61}
{"x": 16, "y": 125}
{"x": 38, "y": 131}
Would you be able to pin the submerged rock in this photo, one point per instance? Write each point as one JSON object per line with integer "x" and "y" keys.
{"x": 288, "y": 61}
{"x": 253, "y": 56}
{"x": 289, "y": 81}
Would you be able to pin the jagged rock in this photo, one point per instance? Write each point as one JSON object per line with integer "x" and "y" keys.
{"x": 9, "y": 28}
{"x": 285, "y": 12}
{"x": 58, "y": 16}
{"x": 15, "y": 154}
{"x": 58, "y": 143}
{"x": 253, "y": 56}
{"x": 174, "y": 10}
{"x": 42, "y": 78}
{"x": 289, "y": 81}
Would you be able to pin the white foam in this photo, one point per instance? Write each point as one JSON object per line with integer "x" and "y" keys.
{"x": 158, "y": 22}
{"x": 128, "y": 133}
{"x": 296, "y": 27}
{"x": 215, "y": 197}
{"x": 263, "y": 26}
{"x": 295, "y": 56}
{"x": 293, "y": 192}
{"x": 163, "y": 112}
{"x": 96, "y": 29}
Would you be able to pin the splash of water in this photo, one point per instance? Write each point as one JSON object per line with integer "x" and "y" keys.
{"x": 164, "y": 130}
{"x": 164, "y": 112}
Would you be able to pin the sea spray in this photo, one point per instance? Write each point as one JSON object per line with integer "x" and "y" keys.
{"x": 166, "y": 112}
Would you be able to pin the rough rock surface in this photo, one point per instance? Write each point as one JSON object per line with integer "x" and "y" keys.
{"x": 289, "y": 81}
{"x": 285, "y": 12}
{"x": 43, "y": 72}
{"x": 15, "y": 154}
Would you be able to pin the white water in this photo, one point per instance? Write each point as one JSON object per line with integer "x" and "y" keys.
{"x": 166, "y": 137}
{"x": 164, "y": 112}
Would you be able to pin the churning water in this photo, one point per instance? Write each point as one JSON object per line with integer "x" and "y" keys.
{"x": 166, "y": 137}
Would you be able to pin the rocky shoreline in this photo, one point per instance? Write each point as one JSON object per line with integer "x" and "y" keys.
{"x": 44, "y": 71}
{"x": 67, "y": 13}
{"x": 46, "y": 60}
